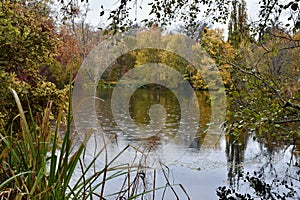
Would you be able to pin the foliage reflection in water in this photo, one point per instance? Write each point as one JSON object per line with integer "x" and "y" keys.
{"x": 204, "y": 167}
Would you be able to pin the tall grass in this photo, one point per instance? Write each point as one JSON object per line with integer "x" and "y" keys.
{"x": 32, "y": 167}
{"x": 25, "y": 156}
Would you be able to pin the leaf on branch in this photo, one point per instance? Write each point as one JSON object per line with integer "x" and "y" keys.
{"x": 294, "y": 6}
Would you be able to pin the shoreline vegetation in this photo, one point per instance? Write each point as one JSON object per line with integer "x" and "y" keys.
{"x": 38, "y": 164}
{"x": 42, "y": 50}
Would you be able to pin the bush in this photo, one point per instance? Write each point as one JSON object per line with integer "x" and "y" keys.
{"x": 28, "y": 42}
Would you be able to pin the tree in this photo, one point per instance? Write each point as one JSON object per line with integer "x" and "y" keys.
{"x": 28, "y": 43}
{"x": 195, "y": 32}
{"x": 213, "y": 42}
{"x": 258, "y": 85}
{"x": 238, "y": 30}
{"x": 262, "y": 73}
{"x": 167, "y": 12}
{"x": 67, "y": 60}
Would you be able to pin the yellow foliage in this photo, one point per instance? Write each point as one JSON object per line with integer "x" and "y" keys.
{"x": 222, "y": 52}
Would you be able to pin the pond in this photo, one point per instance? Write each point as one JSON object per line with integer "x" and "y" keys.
{"x": 202, "y": 163}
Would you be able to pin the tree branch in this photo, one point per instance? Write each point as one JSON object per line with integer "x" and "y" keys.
{"x": 285, "y": 102}
{"x": 287, "y": 121}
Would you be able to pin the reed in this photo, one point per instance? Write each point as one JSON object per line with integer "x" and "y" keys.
{"x": 36, "y": 164}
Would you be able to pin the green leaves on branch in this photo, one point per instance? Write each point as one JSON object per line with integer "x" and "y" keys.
{"x": 28, "y": 43}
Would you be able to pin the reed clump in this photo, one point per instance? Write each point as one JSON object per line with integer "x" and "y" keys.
{"x": 36, "y": 164}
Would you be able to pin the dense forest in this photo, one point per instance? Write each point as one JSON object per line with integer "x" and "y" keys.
{"x": 43, "y": 43}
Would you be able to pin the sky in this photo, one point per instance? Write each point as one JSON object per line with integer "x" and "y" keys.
{"x": 94, "y": 5}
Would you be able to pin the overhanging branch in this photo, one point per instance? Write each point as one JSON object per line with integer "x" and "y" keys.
{"x": 285, "y": 103}
{"x": 287, "y": 121}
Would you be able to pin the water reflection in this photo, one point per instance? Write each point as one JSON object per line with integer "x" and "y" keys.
{"x": 140, "y": 103}
{"x": 225, "y": 158}
{"x": 274, "y": 162}
{"x": 235, "y": 153}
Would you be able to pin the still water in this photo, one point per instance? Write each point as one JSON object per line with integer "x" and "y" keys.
{"x": 200, "y": 163}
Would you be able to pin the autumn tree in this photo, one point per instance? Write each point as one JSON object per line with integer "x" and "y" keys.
{"x": 215, "y": 45}
{"x": 67, "y": 60}
{"x": 258, "y": 88}
{"x": 263, "y": 97}
{"x": 189, "y": 12}
{"x": 28, "y": 43}
{"x": 238, "y": 29}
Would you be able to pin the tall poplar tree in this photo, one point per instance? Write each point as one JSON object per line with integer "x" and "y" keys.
{"x": 238, "y": 29}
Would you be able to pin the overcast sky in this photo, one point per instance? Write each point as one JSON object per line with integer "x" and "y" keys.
{"x": 94, "y": 18}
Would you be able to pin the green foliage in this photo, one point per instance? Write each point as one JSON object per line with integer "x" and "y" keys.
{"x": 121, "y": 65}
{"x": 26, "y": 40}
{"x": 24, "y": 159}
{"x": 28, "y": 43}
{"x": 238, "y": 28}
{"x": 166, "y": 13}
{"x": 211, "y": 45}
{"x": 37, "y": 165}
{"x": 35, "y": 98}
{"x": 263, "y": 98}
{"x": 210, "y": 52}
